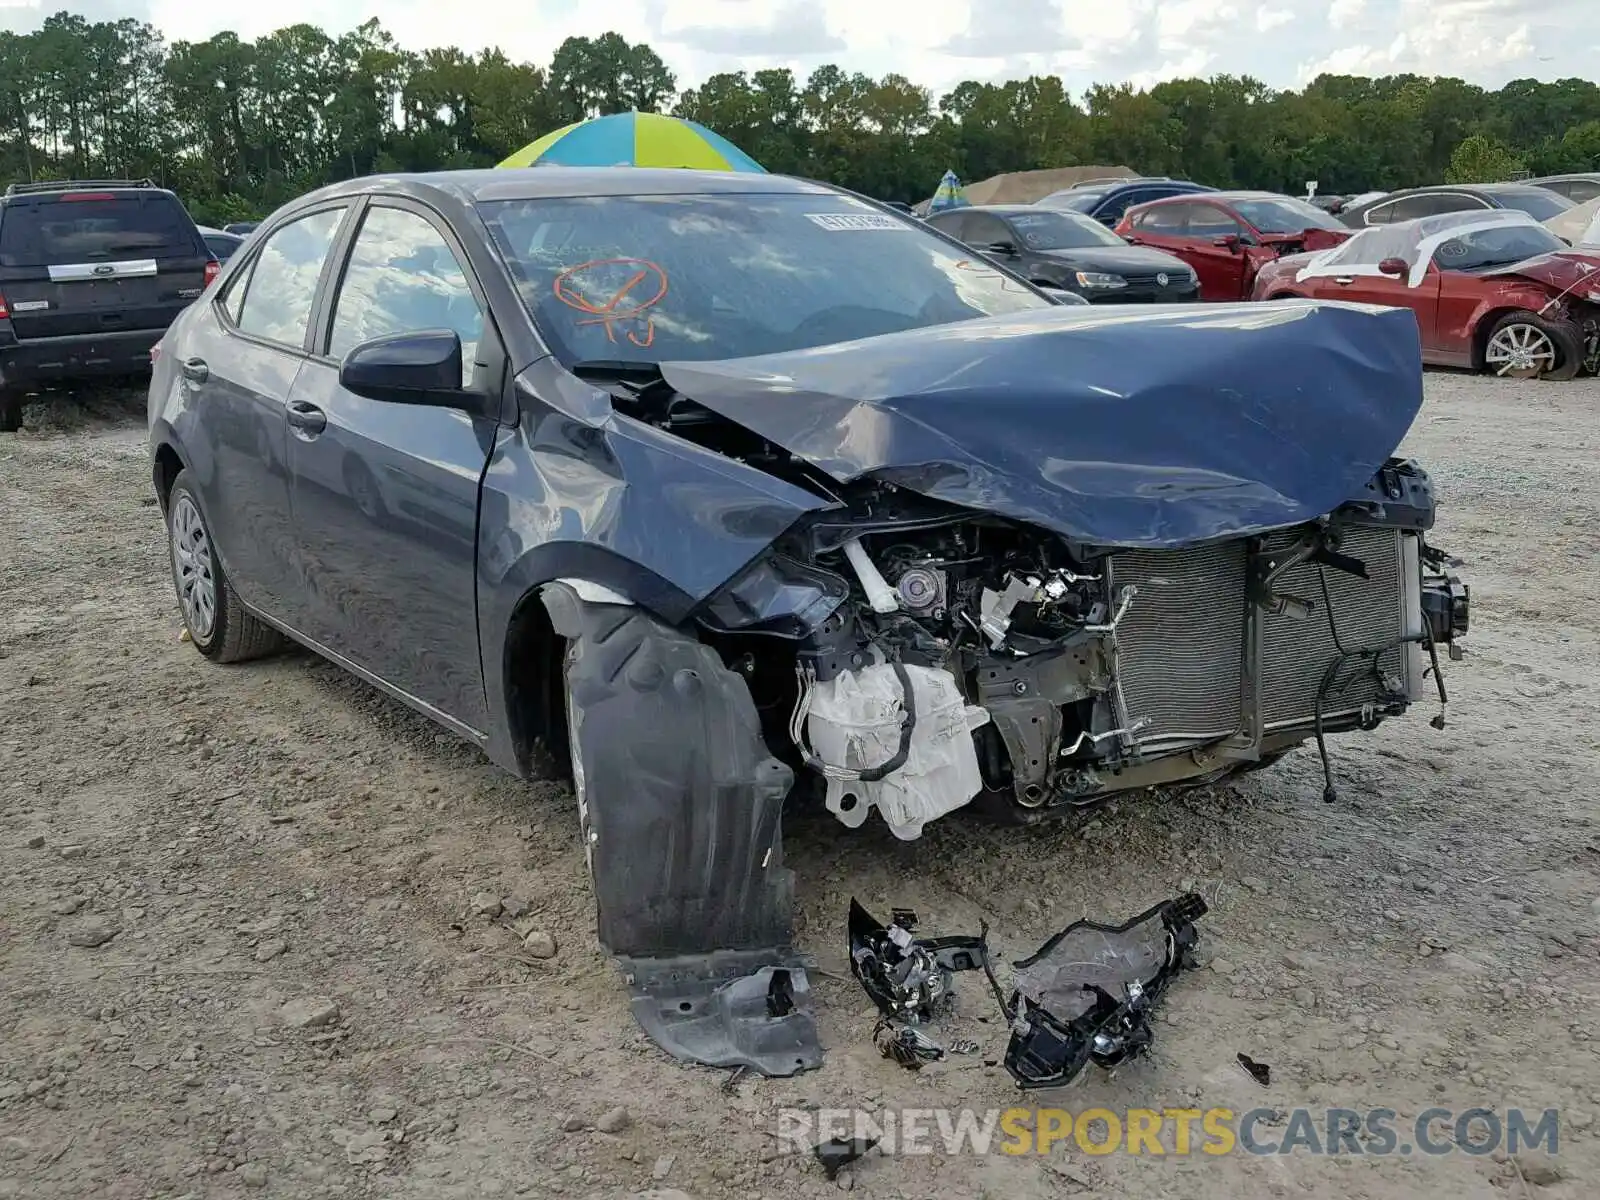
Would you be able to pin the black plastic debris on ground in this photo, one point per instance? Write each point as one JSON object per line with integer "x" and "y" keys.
{"x": 1087, "y": 994}
{"x": 836, "y": 1153}
{"x": 910, "y": 980}
{"x": 1259, "y": 1071}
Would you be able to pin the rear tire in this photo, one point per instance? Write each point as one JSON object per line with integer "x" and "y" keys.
{"x": 1523, "y": 345}
{"x": 218, "y": 623}
{"x": 10, "y": 412}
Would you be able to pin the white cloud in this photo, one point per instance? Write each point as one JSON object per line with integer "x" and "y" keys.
{"x": 938, "y": 43}
{"x": 1487, "y": 42}
{"x": 1344, "y": 13}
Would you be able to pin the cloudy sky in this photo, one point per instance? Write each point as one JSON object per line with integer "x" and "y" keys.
{"x": 940, "y": 42}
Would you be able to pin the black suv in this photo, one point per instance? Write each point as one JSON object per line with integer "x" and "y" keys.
{"x": 91, "y": 274}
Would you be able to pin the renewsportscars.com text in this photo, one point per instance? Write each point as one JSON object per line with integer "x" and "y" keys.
{"x": 1176, "y": 1131}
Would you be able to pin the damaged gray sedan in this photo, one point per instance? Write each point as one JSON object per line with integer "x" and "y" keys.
{"x": 725, "y": 488}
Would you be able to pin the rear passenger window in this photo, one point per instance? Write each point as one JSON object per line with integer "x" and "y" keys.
{"x": 283, "y": 279}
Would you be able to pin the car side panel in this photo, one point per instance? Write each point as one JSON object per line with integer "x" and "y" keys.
{"x": 1466, "y": 302}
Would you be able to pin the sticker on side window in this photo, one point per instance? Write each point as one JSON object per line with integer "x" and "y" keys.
{"x": 839, "y": 222}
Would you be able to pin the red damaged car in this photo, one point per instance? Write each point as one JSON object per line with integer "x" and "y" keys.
{"x": 1493, "y": 291}
{"x": 1228, "y": 236}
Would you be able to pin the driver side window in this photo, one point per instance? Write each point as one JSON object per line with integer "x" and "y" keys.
{"x": 404, "y": 278}
{"x": 983, "y": 231}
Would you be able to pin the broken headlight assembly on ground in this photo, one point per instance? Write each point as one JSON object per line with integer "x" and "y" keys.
{"x": 1086, "y": 996}
{"x": 1088, "y": 993}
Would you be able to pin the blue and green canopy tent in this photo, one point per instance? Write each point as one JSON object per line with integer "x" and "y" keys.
{"x": 634, "y": 139}
{"x": 949, "y": 194}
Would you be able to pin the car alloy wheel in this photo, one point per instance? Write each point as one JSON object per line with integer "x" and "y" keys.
{"x": 193, "y": 571}
{"x": 1520, "y": 351}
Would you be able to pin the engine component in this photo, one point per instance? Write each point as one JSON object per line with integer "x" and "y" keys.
{"x": 1087, "y": 994}
{"x": 859, "y": 719}
{"x": 921, "y": 590}
{"x": 994, "y": 614}
{"x": 909, "y": 978}
{"x": 880, "y": 595}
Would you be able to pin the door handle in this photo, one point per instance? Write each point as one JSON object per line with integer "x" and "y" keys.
{"x": 307, "y": 418}
{"x": 1344, "y": 280}
{"x": 195, "y": 370}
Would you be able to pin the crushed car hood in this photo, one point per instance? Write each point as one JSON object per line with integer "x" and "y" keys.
{"x": 1157, "y": 428}
{"x": 1560, "y": 271}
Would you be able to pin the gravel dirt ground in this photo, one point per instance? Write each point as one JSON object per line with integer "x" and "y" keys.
{"x": 244, "y": 946}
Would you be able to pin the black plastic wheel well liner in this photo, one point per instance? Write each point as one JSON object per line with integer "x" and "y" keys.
{"x": 685, "y": 799}
{"x": 681, "y": 805}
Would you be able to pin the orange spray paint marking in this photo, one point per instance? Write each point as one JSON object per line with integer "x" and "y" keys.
{"x": 643, "y": 288}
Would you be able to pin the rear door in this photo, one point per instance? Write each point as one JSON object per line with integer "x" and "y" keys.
{"x": 238, "y": 360}
{"x": 385, "y": 495}
{"x": 98, "y": 262}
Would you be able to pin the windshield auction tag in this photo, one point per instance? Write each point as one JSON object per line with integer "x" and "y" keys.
{"x": 839, "y": 222}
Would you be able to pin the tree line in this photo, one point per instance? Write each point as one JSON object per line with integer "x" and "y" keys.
{"x": 239, "y": 127}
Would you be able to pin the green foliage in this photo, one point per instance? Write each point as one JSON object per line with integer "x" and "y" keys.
{"x": 240, "y": 127}
{"x": 1479, "y": 159}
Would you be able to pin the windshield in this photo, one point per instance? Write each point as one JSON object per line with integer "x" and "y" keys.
{"x": 1284, "y": 215}
{"x": 1536, "y": 202}
{"x": 1072, "y": 201}
{"x": 1045, "y": 230}
{"x": 1487, "y": 248}
{"x": 654, "y": 278}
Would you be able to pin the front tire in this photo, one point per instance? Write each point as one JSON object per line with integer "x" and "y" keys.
{"x": 1523, "y": 345}
{"x": 217, "y": 622}
{"x": 10, "y": 412}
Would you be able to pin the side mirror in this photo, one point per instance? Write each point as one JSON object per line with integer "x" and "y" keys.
{"x": 1397, "y": 267}
{"x": 1004, "y": 249}
{"x": 408, "y": 368}
{"x": 1228, "y": 241}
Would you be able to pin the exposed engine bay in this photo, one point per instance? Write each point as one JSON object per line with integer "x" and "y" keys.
{"x": 925, "y": 656}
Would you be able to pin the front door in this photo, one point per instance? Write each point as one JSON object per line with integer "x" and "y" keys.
{"x": 1221, "y": 267}
{"x": 238, "y": 368}
{"x": 385, "y": 496}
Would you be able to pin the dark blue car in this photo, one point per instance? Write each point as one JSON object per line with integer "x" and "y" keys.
{"x": 1106, "y": 201}
{"x": 715, "y": 488}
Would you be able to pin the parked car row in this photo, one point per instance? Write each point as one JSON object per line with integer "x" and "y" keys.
{"x": 1501, "y": 277}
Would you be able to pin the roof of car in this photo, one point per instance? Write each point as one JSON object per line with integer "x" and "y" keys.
{"x": 530, "y": 183}
{"x": 1562, "y": 178}
{"x": 1485, "y": 189}
{"x": 1216, "y": 197}
{"x": 1009, "y": 210}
